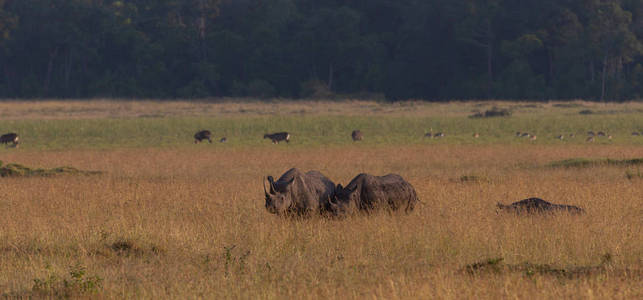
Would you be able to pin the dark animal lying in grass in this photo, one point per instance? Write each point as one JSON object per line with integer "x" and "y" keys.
{"x": 537, "y": 206}
{"x": 10, "y": 138}
{"x": 296, "y": 193}
{"x": 202, "y": 135}
{"x": 278, "y": 137}
{"x": 367, "y": 193}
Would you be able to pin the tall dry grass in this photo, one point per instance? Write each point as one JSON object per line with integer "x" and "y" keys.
{"x": 190, "y": 223}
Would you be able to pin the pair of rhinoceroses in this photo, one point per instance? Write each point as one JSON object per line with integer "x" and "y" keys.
{"x": 298, "y": 193}
{"x": 304, "y": 194}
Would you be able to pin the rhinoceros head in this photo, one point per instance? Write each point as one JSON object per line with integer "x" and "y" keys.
{"x": 278, "y": 201}
{"x": 344, "y": 200}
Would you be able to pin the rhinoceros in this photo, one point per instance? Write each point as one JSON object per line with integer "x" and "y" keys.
{"x": 537, "y": 206}
{"x": 367, "y": 193}
{"x": 296, "y": 193}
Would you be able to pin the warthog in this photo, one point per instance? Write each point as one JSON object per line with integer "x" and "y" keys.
{"x": 357, "y": 135}
{"x": 367, "y": 193}
{"x": 296, "y": 193}
{"x": 202, "y": 135}
{"x": 10, "y": 138}
{"x": 278, "y": 137}
{"x": 537, "y": 205}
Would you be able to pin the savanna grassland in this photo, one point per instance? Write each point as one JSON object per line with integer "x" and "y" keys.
{"x": 167, "y": 218}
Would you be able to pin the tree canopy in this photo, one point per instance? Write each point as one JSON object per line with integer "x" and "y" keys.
{"x": 424, "y": 49}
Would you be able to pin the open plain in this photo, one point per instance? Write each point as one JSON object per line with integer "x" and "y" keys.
{"x": 167, "y": 218}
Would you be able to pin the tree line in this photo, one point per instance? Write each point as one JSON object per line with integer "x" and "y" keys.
{"x": 398, "y": 49}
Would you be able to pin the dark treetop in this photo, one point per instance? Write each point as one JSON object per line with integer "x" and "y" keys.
{"x": 426, "y": 49}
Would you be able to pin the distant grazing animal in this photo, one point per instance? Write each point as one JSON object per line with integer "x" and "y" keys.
{"x": 590, "y": 133}
{"x": 533, "y": 138}
{"x": 278, "y": 137}
{"x": 428, "y": 135}
{"x": 10, "y": 138}
{"x": 357, "y": 135}
{"x": 223, "y": 140}
{"x": 600, "y": 133}
{"x": 571, "y": 135}
{"x": 635, "y": 133}
{"x": 525, "y": 134}
{"x": 299, "y": 194}
{"x": 609, "y": 137}
{"x": 518, "y": 133}
{"x": 590, "y": 139}
{"x": 202, "y": 135}
{"x": 537, "y": 205}
{"x": 561, "y": 137}
{"x": 367, "y": 193}
{"x": 439, "y": 134}
{"x": 476, "y": 135}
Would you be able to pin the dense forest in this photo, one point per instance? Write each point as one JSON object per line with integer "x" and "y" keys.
{"x": 397, "y": 49}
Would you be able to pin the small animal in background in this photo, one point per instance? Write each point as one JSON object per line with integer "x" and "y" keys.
{"x": 600, "y": 133}
{"x": 357, "y": 135}
{"x": 10, "y": 138}
{"x": 518, "y": 133}
{"x": 635, "y": 133}
{"x": 590, "y": 133}
{"x": 538, "y": 206}
{"x": 609, "y": 137}
{"x": 439, "y": 135}
{"x": 561, "y": 137}
{"x": 533, "y": 138}
{"x": 223, "y": 140}
{"x": 202, "y": 135}
{"x": 428, "y": 135}
{"x": 590, "y": 139}
{"x": 525, "y": 134}
{"x": 476, "y": 135}
{"x": 571, "y": 135}
{"x": 278, "y": 137}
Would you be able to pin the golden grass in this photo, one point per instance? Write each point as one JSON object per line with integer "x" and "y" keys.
{"x": 190, "y": 223}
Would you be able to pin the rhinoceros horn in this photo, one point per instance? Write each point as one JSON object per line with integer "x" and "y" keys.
{"x": 272, "y": 185}
{"x": 264, "y": 186}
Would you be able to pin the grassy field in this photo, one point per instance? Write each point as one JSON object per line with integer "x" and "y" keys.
{"x": 170, "y": 219}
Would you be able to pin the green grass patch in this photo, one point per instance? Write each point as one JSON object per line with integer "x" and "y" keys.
{"x": 18, "y": 170}
{"x": 317, "y": 130}
{"x": 631, "y": 174}
{"x": 497, "y": 266}
{"x": 592, "y": 162}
